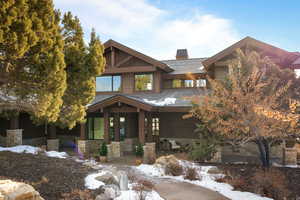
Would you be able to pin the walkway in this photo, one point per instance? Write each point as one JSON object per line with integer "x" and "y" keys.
{"x": 186, "y": 191}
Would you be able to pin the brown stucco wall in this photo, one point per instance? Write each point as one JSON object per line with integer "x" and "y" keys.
{"x": 173, "y": 126}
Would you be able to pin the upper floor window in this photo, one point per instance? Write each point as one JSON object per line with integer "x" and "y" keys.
{"x": 108, "y": 83}
{"x": 143, "y": 82}
{"x": 188, "y": 83}
{"x": 201, "y": 83}
{"x": 176, "y": 83}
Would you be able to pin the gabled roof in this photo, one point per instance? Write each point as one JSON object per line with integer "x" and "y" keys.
{"x": 242, "y": 43}
{"x": 192, "y": 65}
{"x": 154, "y": 62}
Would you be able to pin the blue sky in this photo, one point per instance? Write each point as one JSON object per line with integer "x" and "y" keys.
{"x": 159, "y": 27}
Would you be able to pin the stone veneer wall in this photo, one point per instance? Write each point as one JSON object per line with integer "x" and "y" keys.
{"x": 14, "y": 137}
{"x": 89, "y": 146}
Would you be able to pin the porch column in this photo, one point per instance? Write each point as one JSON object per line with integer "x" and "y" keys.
{"x": 117, "y": 126}
{"x": 52, "y": 142}
{"x": 142, "y": 127}
{"x": 149, "y": 128}
{"x": 14, "y": 136}
{"x": 82, "y": 131}
{"x": 106, "y": 127}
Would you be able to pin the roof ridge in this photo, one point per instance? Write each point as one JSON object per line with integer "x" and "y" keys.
{"x": 184, "y": 59}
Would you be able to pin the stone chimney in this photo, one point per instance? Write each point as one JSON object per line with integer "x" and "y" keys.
{"x": 182, "y": 54}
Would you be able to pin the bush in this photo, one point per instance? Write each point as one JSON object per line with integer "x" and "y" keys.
{"x": 103, "y": 149}
{"x": 174, "y": 169}
{"x": 142, "y": 187}
{"x": 271, "y": 183}
{"x": 139, "y": 151}
{"x": 191, "y": 174}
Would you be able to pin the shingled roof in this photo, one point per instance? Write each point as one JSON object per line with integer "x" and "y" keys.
{"x": 192, "y": 65}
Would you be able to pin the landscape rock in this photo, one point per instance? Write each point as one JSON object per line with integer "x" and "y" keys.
{"x": 214, "y": 170}
{"x": 10, "y": 190}
{"x": 108, "y": 178}
{"x": 166, "y": 160}
{"x": 109, "y": 192}
{"x": 123, "y": 180}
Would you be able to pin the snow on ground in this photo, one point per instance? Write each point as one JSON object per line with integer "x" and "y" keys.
{"x": 56, "y": 154}
{"x": 207, "y": 181}
{"x": 33, "y": 150}
{"x": 91, "y": 182}
{"x": 21, "y": 149}
{"x": 131, "y": 194}
{"x": 164, "y": 102}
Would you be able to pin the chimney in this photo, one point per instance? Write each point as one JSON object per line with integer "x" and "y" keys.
{"x": 182, "y": 54}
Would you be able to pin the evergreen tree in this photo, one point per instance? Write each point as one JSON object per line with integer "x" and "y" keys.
{"x": 257, "y": 103}
{"x": 82, "y": 65}
{"x": 32, "y": 67}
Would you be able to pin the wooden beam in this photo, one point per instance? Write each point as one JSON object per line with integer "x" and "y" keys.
{"x": 52, "y": 132}
{"x": 123, "y": 110}
{"x": 142, "y": 127}
{"x": 123, "y": 61}
{"x": 106, "y": 127}
{"x": 117, "y": 126}
{"x": 129, "y": 69}
{"x": 221, "y": 63}
{"x": 82, "y": 131}
{"x": 113, "y": 57}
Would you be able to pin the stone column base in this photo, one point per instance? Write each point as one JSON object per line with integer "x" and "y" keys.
{"x": 290, "y": 156}
{"x": 53, "y": 144}
{"x": 116, "y": 149}
{"x": 83, "y": 147}
{"x": 149, "y": 153}
{"x": 14, "y": 137}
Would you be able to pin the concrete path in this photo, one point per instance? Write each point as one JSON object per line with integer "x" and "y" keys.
{"x": 186, "y": 191}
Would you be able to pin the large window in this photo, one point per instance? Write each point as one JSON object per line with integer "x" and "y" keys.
{"x": 201, "y": 83}
{"x": 143, "y": 82}
{"x": 297, "y": 72}
{"x": 176, "y": 83}
{"x": 95, "y": 128}
{"x": 108, "y": 83}
{"x": 188, "y": 83}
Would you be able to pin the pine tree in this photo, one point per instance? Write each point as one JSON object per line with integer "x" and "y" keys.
{"x": 32, "y": 67}
{"x": 82, "y": 65}
{"x": 257, "y": 103}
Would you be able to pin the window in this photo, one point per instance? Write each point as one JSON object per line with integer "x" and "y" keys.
{"x": 95, "y": 128}
{"x": 176, "y": 83}
{"x": 297, "y": 72}
{"x": 188, "y": 83}
{"x": 143, "y": 82}
{"x": 201, "y": 83}
{"x": 108, "y": 83}
{"x": 155, "y": 126}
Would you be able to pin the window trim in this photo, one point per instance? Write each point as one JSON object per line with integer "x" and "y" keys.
{"x": 134, "y": 81}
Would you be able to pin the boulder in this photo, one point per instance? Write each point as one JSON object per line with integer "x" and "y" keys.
{"x": 109, "y": 192}
{"x": 10, "y": 190}
{"x": 108, "y": 178}
{"x": 166, "y": 160}
{"x": 214, "y": 170}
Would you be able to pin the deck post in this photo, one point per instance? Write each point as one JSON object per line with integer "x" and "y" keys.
{"x": 106, "y": 127}
{"x": 142, "y": 127}
{"x": 149, "y": 128}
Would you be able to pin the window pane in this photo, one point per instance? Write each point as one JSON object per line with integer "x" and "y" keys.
{"x": 176, "y": 83}
{"x": 103, "y": 84}
{"x": 143, "y": 82}
{"x": 116, "y": 83}
{"x": 98, "y": 128}
{"x": 188, "y": 83}
{"x": 201, "y": 83}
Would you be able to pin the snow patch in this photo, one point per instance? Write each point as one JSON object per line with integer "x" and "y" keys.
{"x": 55, "y": 154}
{"x": 21, "y": 149}
{"x": 207, "y": 181}
{"x": 131, "y": 194}
{"x": 166, "y": 101}
{"x": 92, "y": 183}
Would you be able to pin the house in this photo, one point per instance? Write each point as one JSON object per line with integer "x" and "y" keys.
{"x": 142, "y": 100}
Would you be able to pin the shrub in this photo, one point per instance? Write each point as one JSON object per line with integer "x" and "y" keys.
{"x": 139, "y": 151}
{"x": 191, "y": 174}
{"x": 103, "y": 149}
{"x": 142, "y": 187}
{"x": 271, "y": 183}
{"x": 174, "y": 169}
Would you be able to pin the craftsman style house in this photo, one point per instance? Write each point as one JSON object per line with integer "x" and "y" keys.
{"x": 140, "y": 99}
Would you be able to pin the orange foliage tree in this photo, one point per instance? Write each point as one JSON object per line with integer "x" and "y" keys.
{"x": 257, "y": 102}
